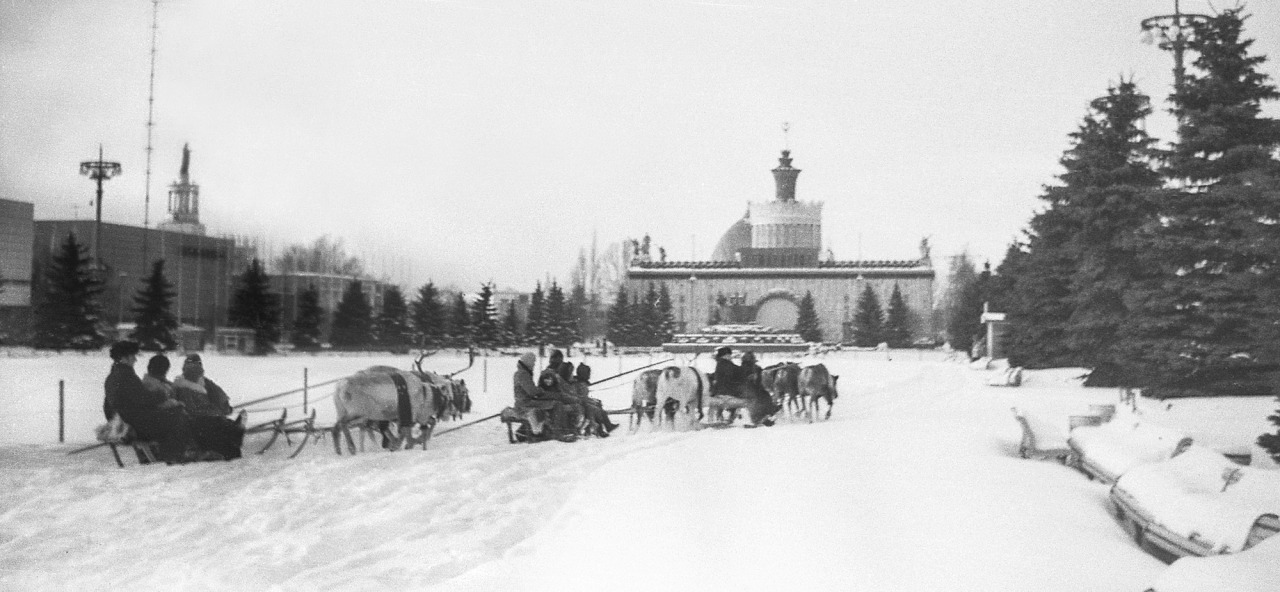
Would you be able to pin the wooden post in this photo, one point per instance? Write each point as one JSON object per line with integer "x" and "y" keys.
{"x": 62, "y": 411}
{"x": 304, "y": 391}
{"x": 485, "y": 367}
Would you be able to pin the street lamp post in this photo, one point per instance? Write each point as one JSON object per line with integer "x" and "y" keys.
{"x": 99, "y": 170}
{"x": 1172, "y": 30}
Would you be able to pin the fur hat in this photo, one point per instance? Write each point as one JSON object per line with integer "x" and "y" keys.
{"x": 192, "y": 359}
{"x": 124, "y": 348}
{"x": 724, "y": 351}
{"x": 528, "y": 360}
{"x": 584, "y": 373}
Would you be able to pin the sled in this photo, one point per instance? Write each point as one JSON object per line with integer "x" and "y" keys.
{"x": 520, "y": 430}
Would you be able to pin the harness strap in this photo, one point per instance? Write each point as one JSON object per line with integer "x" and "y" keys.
{"x": 403, "y": 403}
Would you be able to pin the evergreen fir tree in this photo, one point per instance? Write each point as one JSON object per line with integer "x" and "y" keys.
{"x": 619, "y": 328}
{"x": 963, "y": 304}
{"x": 807, "y": 323}
{"x": 392, "y": 326}
{"x": 429, "y": 316}
{"x": 1062, "y": 291}
{"x": 1204, "y": 317}
{"x": 460, "y": 322}
{"x": 897, "y": 322}
{"x": 557, "y": 328}
{"x": 255, "y": 307}
{"x": 153, "y": 306}
{"x": 646, "y": 319}
{"x": 353, "y": 319}
{"x": 306, "y": 327}
{"x": 68, "y": 312}
{"x": 512, "y": 333}
{"x": 484, "y": 318}
{"x": 868, "y": 320}
{"x": 667, "y": 321}
{"x": 535, "y": 325}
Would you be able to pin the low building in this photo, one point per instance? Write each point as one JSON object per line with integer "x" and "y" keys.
{"x": 17, "y": 226}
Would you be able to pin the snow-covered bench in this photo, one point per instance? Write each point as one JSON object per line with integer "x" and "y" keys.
{"x": 1198, "y": 503}
{"x": 1106, "y": 451}
{"x": 1254, "y": 570}
{"x": 1042, "y": 439}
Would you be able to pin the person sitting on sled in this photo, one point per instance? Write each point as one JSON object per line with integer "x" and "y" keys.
{"x": 540, "y": 407}
{"x": 597, "y": 419}
{"x": 150, "y": 414}
{"x": 727, "y": 382}
{"x": 208, "y": 406}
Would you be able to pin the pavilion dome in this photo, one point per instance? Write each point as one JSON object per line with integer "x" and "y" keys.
{"x": 737, "y": 238}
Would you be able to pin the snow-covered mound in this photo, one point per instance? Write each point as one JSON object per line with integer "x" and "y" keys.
{"x": 1203, "y": 501}
{"x": 1106, "y": 451}
{"x": 1254, "y": 570}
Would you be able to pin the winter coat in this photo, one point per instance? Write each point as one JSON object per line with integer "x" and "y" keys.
{"x": 126, "y": 395}
{"x": 727, "y": 379}
{"x": 160, "y": 385}
{"x": 201, "y": 396}
{"x": 527, "y": 394}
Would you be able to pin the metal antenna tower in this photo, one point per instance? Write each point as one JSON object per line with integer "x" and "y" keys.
{"x": 151, "y": 102}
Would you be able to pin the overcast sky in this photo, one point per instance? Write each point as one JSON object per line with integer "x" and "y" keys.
{"x": 466, "y": 141}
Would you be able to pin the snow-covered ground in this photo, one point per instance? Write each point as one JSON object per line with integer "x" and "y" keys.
{"x": 914, "y": 484}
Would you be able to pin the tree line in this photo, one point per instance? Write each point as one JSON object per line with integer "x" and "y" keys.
{"x": 1159, "y": 267}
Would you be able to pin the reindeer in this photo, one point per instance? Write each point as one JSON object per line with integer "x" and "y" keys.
{"x": 644, "y": 395}
{"x": 816, "y": 383}
{"x": 781, "y": 380}
{"x": 681, "y": 389}
{"x": 379, "y": 395}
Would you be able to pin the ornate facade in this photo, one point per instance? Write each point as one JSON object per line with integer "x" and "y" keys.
{"x": 767, "y": 261}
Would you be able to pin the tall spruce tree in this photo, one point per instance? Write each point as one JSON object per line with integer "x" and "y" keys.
{"x": 535, "y": 325}
{"x": 868, "y": 319}
{"x": 512, "y": 332}
{"x": 666, "y": 318}
{"x": 619, "y": 329}
{"x": 1063, "y": 290}
{"x": 68, "y": 313}
{"x": 484, "y": 318}
{"x": 460, "y": 328}
{"x": 392, "y": 330}
{"x": 557, "y": 329}
{"x": 255, "y": 307}
{"x": 807, "y": 323}
{"x": 153, "y": 309}
{"x": 307, "y": 325}
{"x": 1204, "y": 316}
{"x": 897, "y": 321}
{"x": 646, "y": 319}
{"x": 963, "y": 303}
{"x": 429, "y": 316}
{"x": 353, "y": 319}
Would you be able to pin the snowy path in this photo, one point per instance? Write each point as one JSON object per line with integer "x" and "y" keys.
{"x": 912, "y": 485}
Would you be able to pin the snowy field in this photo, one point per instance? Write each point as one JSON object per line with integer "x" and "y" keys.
{"x": 914, "y": 484}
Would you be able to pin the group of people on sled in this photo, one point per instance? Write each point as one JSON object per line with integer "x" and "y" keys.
{"x": 186, "y": 417}
{"x": 558, "y": 405}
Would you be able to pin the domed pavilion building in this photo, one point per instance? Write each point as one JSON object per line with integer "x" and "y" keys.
{"x": 765, "y": 263}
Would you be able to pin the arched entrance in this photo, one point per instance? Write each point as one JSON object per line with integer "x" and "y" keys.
{"x": 778, "y": 309}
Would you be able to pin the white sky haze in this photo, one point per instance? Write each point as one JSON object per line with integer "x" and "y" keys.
{"x": 467, "y": 141}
